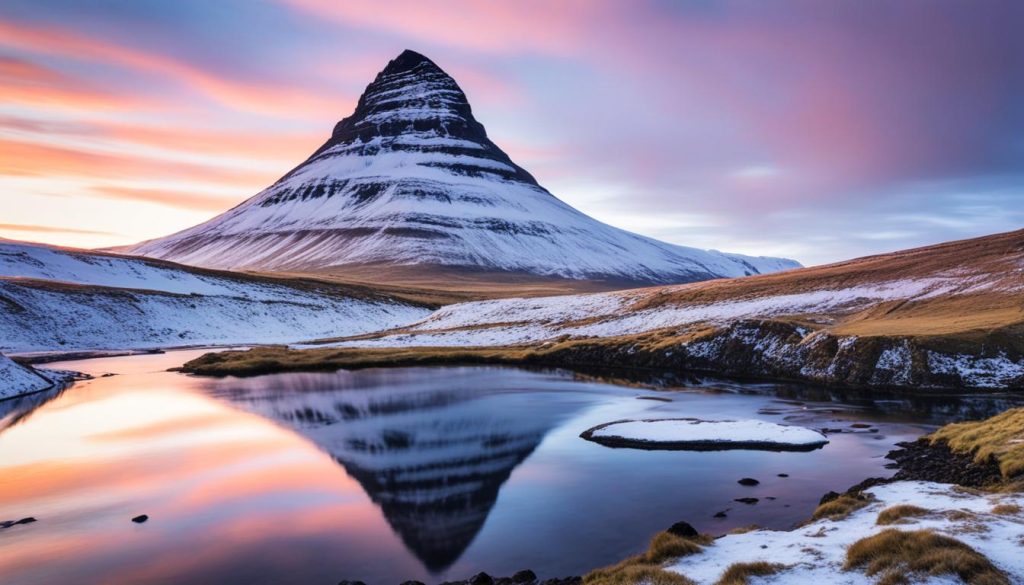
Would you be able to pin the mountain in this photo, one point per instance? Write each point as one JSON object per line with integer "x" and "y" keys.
{"x": 64, "y": 299}
{"x": 943, "y": 316}
{"x": 411, "y": 179}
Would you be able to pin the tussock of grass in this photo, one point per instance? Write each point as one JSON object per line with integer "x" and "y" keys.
{"x": 840, "y": 507}
{"x": 896, "y": 514}
{"x": 740, "y": 573}
{"x": 744, "y": 529}
{"x": 646, "y": 567}
{"x": 1000, "y": 437}
{"x": 1007, "y": 509}
{"x": 899, "y": 558}
{"x": 636, "y": 575}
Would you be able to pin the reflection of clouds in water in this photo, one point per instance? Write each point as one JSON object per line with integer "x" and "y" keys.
{"x": 432, "y": 451}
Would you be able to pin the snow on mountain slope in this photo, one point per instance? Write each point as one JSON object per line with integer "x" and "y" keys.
{"x": 411, "y": 178}
{"x": 16, "y": 379}
{"x": 61, "y": 299}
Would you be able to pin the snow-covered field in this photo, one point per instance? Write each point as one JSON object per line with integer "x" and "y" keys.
{"x": 137, "y": 303}
{"x": 815, "y": 553}
{"x": 515, "y": 321}
{"x": 704, "y": 432}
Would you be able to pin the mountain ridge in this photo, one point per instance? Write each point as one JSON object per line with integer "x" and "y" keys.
{"x": 411, "y": 178}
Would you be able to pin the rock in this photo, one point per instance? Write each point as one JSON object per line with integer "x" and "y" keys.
{"x": 828, "y": 498}
{"x": 351, "y": 583}
{"x": 563, "y": 581}
{"x": 860, "y": 426}
{"x": 413, "y": 583}
{"x": 783, "y": 475}
{"x": 25, "y": 520}
{"x": 683, "y": 529}
{"x": 524, "y": 576}
{"x": 748, "y": 501}
{"x": 923, "y": 460}
{"x": 721, "y": 514}
{"x": 748, "y": 481}
{"x": 481, "y": 578}
{"x": 140, "y": 518}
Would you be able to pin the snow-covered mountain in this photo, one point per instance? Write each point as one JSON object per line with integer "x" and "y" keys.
{"x": 63, "y": 299}
{"x": 411, "y": 178}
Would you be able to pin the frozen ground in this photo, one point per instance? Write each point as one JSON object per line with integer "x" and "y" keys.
{"x": 57, "y": 299}
{"x": 816, "y": 552}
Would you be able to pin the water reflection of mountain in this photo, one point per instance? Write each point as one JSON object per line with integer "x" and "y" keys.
{"x": 431, "y": 447}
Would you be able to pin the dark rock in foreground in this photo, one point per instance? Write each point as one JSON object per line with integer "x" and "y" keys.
{"x": 683, "y": 529}
{"x": 524, "y": 577}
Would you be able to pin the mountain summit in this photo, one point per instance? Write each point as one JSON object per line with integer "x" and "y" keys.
{"x": 411, "y": 179}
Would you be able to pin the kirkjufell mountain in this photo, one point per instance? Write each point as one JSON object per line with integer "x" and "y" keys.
{"x": 411, "y": 179}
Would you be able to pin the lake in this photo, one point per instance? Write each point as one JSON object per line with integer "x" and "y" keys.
{"x": 385, "y": 475}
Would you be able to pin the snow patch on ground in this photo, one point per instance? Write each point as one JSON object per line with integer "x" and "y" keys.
{"x": 983, "y": 372}
{"x": 703, "y": 431}
{"x": 514, "y": 321}
{"x": 815, "y": 553}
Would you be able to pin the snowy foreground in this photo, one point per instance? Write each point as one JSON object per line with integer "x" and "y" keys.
{"x": 816, "y": 552}
{"x": 59, "y": 299}
{"x": 679, "y": 433}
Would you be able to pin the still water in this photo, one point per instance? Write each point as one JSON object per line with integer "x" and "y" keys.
{"x": 386, "y": 475}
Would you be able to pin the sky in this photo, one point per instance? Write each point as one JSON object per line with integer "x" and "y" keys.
{"x": 813, "y": 130}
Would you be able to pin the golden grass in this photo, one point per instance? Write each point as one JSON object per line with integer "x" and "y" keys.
{"x": 646, "y": 567}
{"x": 840, "y": 507}
{"x": 899, "y": 558}
{"x": 744, "y": 529}
{"x": 1006, "y": 510}
{"x": 443, "y": 285}
{"x": 896, "y": 514}
{"x": 1000, "y": 438}
{"x": 636, "y": 575}
{"x": 740, "y": 573}
{"x": 261, "y": 360}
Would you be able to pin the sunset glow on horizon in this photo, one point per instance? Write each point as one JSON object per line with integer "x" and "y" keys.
{"x": 816, "y": 131}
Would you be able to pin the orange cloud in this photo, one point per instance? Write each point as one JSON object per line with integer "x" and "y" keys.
{"x": 29, "y": 159}
{"x": 46, "y": 229}
{"x": 171, "y": 198}
{"x": 268, "y": 97}
{"x": 27, "y": 83}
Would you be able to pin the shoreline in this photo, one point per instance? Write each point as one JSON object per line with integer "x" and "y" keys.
{"x": 579, "y": 355}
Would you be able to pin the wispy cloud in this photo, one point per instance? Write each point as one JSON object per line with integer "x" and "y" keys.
{"x": 48, "y": 229}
